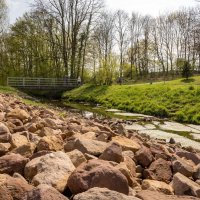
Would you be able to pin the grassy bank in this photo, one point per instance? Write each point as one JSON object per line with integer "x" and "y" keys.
{"x": 23, "y": 96}
{"x": 5, "y": 89}
{"x": 179, "y": 99}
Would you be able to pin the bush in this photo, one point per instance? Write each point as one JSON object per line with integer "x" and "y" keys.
{"x": 186, "y": 71}
{"x": 191, "y": 87}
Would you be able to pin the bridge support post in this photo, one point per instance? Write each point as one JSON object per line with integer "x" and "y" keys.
{"x": 23, "y": 82}
{"x": 7, "y": 81}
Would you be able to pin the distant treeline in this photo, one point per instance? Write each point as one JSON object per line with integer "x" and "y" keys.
{"x": 81, "y": 38}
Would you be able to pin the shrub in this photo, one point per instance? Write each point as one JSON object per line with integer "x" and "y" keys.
{"x": 191, "y": 87}
{"x": 186, "y": 71}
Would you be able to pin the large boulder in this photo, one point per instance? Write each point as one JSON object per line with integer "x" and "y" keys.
{"x": 152, "y": 195}
{"x": 18, "y": 114}
{"x": 92, "y": 147}
{"x": 52, "y": 169}
{"x": 112, "y": 153}
{"x": 127, "y": 144}
{"x": 50, "y": 143}
{"x": 9, "y": 164}
{"x": 44, "y": 192}
{"x": 144, "y": 157}
{"x": 185, "y": 186}
{"x": 182, "y": 166}
{"x": 159, "y": 170}
{"x": 76, "y": 157}
{"x": 102, "y": 194}
{"x": 14, "y": 187}
{"x": 5, "y": 135}
{"x": 195, "y": 158}
{"x": 157, "y": 186}
{"x": 97, "y": 173}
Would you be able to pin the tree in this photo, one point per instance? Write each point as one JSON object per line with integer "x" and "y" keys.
{"x": 186, "y": 70}
{"x": 3, "y": 15}
{"x": 74, "y": 19}
{"x": 103, "y": 37}
{"x": 122, "y": 25}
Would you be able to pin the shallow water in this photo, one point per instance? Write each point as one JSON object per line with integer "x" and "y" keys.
{"x": 186, "y": 134}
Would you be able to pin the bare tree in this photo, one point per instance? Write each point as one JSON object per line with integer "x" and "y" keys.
{"x": 3, "y": 15}
{"x": 104, "y": 39}
{"x": 122, "y": 36}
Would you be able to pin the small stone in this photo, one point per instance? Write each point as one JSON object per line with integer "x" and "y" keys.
{"x": 76, "y": 157}
{"x": 157, "y": 186}
{"x": 172, "y": 141}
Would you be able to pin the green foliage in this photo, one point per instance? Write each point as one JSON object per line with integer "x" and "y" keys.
{"x": 176, "y": 99}
{"x": 191, "y": 87}
{"x": 4, "y": 89}
{"x": 179, "y": 63}
{"x": 186, "y": 70}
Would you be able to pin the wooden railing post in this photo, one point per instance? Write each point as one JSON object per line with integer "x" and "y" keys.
{"x": 23, "y": 82}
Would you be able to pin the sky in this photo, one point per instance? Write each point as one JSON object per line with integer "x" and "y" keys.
{"x": 150, "y": 7}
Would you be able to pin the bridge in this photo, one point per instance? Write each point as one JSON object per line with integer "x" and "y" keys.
{"x": 56, "y": 84}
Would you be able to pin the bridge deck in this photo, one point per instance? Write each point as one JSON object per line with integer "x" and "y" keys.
{"x": 42, "y": 83}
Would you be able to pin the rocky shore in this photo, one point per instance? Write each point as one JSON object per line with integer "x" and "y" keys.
{"x": 46, "y": 155}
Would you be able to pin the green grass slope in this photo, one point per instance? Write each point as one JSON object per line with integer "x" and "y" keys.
{"x": 179, "y": 99}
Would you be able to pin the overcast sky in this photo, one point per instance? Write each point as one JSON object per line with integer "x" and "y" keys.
{"x": 152, "y": 7}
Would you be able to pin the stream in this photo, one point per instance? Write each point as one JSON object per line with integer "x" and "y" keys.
{"x": 186, "y": 134}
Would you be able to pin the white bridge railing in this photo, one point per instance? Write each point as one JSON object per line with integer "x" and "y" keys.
{"x": 41, "y": 83}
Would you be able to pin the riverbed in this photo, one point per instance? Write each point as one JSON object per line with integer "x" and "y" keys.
{"x": 185, "y": 134}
